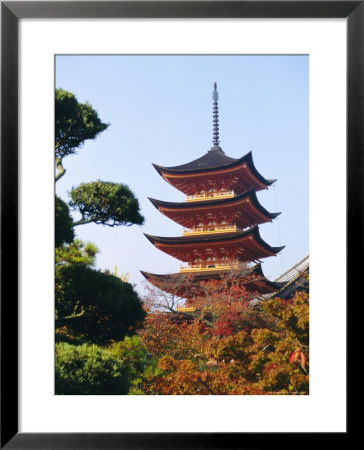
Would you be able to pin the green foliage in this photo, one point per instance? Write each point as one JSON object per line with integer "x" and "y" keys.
{"x": 106, "y": 203}
{"x": 63, "y": 334}
{"x": 76, "y": 253}
{"x": 94, "y": 305}
{"x": 293, "y": 317}
{"x": 88, "y": 370}
{"x": 64, "y": 233}
{"x": 135, "y": 356}
{"x": 75, "y": 123}
{"x": 132, "y": 351}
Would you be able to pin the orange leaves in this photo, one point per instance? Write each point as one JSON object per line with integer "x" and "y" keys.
{"x": 264, "y": 337}
{"x": 229, "y": 348}
{"x": 167, "y": 363}
{"x": 180, "y": 378}
{"x": 162, "y": 334}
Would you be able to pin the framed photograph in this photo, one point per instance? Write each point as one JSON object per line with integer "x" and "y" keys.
{"x": 287, "y": 91}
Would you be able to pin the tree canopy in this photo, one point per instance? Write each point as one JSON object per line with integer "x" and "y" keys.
{"x": 76, "y": 252}
{"x": 228, "y": 345}
{"x": 94, "y": 305}
{"x": 106, "y": 203}
{"x": 64, "y": 233}
{"x": 74, "y": 124}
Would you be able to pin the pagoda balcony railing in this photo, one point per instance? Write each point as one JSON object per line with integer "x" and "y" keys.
{"x": 209, "y": 196}
{"x": 209, "y": 267}
{"x": 201, "y": 230}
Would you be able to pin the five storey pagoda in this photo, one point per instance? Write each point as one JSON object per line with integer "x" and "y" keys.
{"x": 221, "y": 218}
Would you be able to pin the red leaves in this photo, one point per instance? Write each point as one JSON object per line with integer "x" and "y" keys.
{"x": 222, "y": 328}
{"x": 297, "y": 356}
{"x": 269, "y": 367}
{"x": 228, "y": 348}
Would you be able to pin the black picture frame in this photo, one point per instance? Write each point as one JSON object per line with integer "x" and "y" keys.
{"x": 11, "y": 12}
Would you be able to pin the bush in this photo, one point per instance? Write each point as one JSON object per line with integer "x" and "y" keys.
{"x": 132, "y": 351}
{"x": 135, "y": 356}
{"x": 96, "y": 306}
{"x": 89, "y": 370}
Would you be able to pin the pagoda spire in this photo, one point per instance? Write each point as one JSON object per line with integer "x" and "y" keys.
{"x": 215, "y": 119}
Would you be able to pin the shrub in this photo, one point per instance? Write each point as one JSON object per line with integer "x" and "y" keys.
{"x": 88, "y": 370}
{"x": 96, "y": 306}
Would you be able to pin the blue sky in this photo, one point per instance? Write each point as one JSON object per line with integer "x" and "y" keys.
{"x": 160, "y": 111}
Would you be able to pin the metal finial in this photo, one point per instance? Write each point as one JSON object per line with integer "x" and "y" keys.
{"x": 215, "y": 117}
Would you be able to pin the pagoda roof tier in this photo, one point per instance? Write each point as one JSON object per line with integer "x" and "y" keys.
{"x": 188, "y": 285}
{"x": 245, "y": 246}
{"x": 243, "y": 210}
{"x": 215, "y": 170}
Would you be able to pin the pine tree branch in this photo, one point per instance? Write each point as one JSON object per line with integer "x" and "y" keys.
{"x": 82, "y": 222}
{"x": 60, "y": 321}
{"x": 60, "y": 168}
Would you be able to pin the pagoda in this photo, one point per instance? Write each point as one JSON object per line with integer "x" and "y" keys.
{"x": 220, "y": 220}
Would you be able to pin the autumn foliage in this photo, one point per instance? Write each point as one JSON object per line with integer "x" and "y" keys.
{"x": 228, "y": 345}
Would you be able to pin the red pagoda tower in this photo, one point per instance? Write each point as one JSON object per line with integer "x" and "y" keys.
{"x": 221, "y": 218}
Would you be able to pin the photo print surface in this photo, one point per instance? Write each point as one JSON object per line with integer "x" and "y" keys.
{"x": 181, "y": 211}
